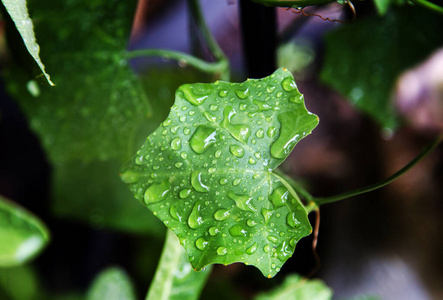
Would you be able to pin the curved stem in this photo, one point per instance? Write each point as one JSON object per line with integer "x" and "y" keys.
{"x": 295, "y": 3}
{"x": 209, "y": 67}
{"x": 429, "y": 5}
{"x": 423, "y": 154}
{"x": 212, "y": 44}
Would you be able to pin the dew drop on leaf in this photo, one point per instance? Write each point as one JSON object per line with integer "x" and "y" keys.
{"x": 242, "y": 93}
{"x": 202, "y": 139}
{"x": 222, "y": 214}
{"x": 252, "y": 249}
{"x": 201, "y": 243}
{"x": 237, "y": 151}
{"x": 156, "y": 192}
{"x": 197, "y": 183}
{"x": 195, "y": 220}
{"x": 222, "y": 251}
{"x": 176, "y": 144}
{"x": 242, "y": 201}
{"x": 237, "y": 230}
{"x": 288, "y": 84}
{"x": 174, "y": 213}
{"x": 184, "y": 193}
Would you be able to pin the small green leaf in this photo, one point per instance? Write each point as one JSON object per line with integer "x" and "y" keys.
{"x": 363, "y": 60}
{"x": 297, "y": 288}
{"x": 206, "y": 172}
{"x": 111, "y": 284}
{"x": 174, "y": 278}
{"x": 22, "y": 235}
{"x": 19, "y": 14}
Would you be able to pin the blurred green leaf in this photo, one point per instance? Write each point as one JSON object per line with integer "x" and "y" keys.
{"x": 174, "y": 278}
{"x": 297, "y": 288}
{"x": 19, "y": 14}
{"x": 207, "y": 171}
{"x": 363, "y": 59}
{"x": 111, "y": 284}
{"x": 22, "y": 235}
{"x": 19, "y": 283}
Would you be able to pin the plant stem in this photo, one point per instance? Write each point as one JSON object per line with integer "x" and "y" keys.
{"x": 423, "y": 154}
{"x": 429, "y": 5}
{"x": 209, "y": 67}
{"x": 212, "y": 44}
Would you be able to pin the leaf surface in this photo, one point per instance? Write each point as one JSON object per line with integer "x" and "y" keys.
{"x": 297, "y": 288}
{"x": 111, "y": 284}
{"x": 362, "y": 61}
{"x": 22, "y": 235}
{"x": 19, "y": 14}
{"x": 206, "y": 172}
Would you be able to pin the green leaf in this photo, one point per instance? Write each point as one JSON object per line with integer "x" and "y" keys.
{"x": 175, "y": 279}
{"x": 22, "y": 235}
{"x": 111, "y": 284}
{"x": 19, "y": 283}
{"x": 98, "y": 104}
{"x": 364, "y": 59}
{"x": 19, "y": 14}
{"x": 297, "y": 288}
{"x": 206, "y": 172}
{"x": 383, "y": 5}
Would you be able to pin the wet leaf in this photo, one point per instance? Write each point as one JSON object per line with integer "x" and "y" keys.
{"x": 22, "y": 235}
{"x": 206, "y": 172}
{"x": 297, "y": 288}
{"x": 112, "y": 283}
{"x": 363, "y": 59}
{"x": 19, "y": 14}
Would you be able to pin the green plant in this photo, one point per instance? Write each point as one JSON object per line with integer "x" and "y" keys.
{"x": 208, "y": 172}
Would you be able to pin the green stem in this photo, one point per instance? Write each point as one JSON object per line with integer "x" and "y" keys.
{"x": 423, "y": 154}
{"x": 212, "y": 44}
{"x": 208, "y": 67}
{"x": 429, "y": 5}
{"x": 294, "y": 3}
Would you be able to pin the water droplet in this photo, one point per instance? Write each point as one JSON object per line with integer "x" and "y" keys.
{"x": 176, "y": 144}
{"x": 222, "y": 250}
{"x": 187, "y": 131}
{"x": 222, "y": 214}
{"x": 167, "y": 122}
{"x": 165, "y": 132}
{"x": 279, "y": 94}
{"x": 236, "y": 181}
{"x": 243, "y": 106}
{"x": 289, "y": 134}
{"x": 270, "y": 89}
{"x": 242, "y": 94}
{"x": 185, "y": 193}
{"x": 272, "y": 238}
{"x": 252, "y": 161}
{"x": 279, "y": 196}
{"x": 213, "y": 231}
{"x": 213, "y": 107}
{"x": 260, "y": 133}
{"x": 262, "y": 105}
{"x": 291, "y": 219}
{"x": 237, "y": 230}
{"x": 156, "y": 192}
{"x": 178, "y": 165}
{"x": 223, "y": 181}
{"x": 271, "y": 131}
{"x": 195, "y": 220}
{"x": 284, "y": 251}
{"x": 239, "y": 131}
{"x": 184, "y": 155}
{"x": 223, "y": 93}
{"x": 201, "y": 243}
{"x": 192, "y": 94}
{"x": 197, "y": 183}
{"x": 257, "y": 155}
{"x": 202, "y": 139}
{"x": 211, "y": 170}
{"x": 296, "y": 99}
{"x": 251, "y": 223}
{"x": 174, "y": 213}
{"x": 129, "y": 176}
{"x": 182, "y": 119}
{"x": 293, "y": 242}
{"x": 217, "y": 154}
{"x": 139, "y": 160}
{"x": 210, "y": 117}
{"x": 237, "y": 151}
{"x": 288, "y": 84}
{"x": 252, "y": 249}
{"x": 242, "y": 201}
{"x": 266, "y": 214}
{"x": 267, "y": 248}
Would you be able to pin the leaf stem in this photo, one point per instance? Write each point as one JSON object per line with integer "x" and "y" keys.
{"x": 208, "y": 67}
{"x": 372, "y": 187}
{"x": 212, "y": 44}
{"x": 429, "y": 5}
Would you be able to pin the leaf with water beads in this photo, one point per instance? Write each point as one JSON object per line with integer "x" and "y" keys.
{"x": 206, "y": 172}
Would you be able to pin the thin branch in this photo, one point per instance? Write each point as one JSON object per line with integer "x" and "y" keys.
{"x": 372, "y": 187}
{"x": 429, "y": 5}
